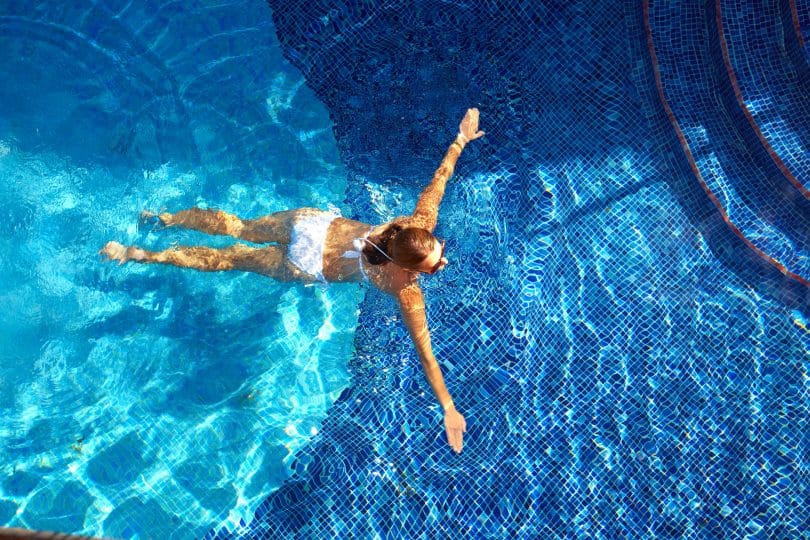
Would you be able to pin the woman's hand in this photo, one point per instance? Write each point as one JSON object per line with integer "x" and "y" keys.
{"x": 468, "y": 128}
{"x": 455, "y": 425}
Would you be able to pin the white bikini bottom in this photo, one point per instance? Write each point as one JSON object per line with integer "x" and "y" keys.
{"x": 307, "y": 241}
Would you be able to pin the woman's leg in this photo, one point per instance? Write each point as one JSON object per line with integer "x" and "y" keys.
{"x": 274, "y": 227}
{"x": 269, "y": 261}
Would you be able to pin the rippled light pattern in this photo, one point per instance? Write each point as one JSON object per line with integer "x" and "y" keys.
{"x": 631, "y": 365}
{"x": 150, "y": 400}
{"x": 624, "y": 322}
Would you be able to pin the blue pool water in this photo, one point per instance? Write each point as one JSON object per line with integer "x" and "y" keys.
{"x": 624, "y": 322}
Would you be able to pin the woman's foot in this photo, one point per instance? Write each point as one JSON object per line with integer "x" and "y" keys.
{"x": 118, "y": 252}
{"x": 157, "y": 221}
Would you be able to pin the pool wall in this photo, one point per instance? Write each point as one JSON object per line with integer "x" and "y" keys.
{"x": 147, "y": 399}
{"x": 623, "y": 322}
{"x": 630, "y": 362}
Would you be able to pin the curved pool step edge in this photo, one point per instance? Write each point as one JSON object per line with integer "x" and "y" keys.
{"x": 800, "y": 279}
{"x": 789, "y": 164}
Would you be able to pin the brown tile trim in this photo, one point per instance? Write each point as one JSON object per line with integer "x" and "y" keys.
{"x": 796, "y": 26}
{"x": 737, "y": 92}
{"x": 693, "y": 165}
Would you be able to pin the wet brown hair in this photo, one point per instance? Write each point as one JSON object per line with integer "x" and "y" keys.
{"x": 407, "y": 247}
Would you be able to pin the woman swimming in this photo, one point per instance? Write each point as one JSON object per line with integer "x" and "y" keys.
{"x": 315, "y": 245}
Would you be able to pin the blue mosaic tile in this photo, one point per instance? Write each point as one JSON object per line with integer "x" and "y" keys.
{"x": 762, "y": 205}
{"x": 629, "y": 367}
{"x": 800, "y": 13}
{"x": 611, "y": 396}
{"x": 773, "y": 90}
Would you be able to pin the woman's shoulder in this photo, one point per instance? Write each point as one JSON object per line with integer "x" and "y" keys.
{"x": 391, "y": 279}
{"x": 411, "y": 221}
{"x": 402, "y": 221}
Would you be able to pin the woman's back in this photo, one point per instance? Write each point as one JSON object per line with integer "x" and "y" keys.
{"x": 340, "y": 238}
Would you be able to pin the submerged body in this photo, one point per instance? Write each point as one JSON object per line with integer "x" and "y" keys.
{"x": 340, "y": 238}
{"x": 331, "y": 239}
{"x": 314, "y": 245}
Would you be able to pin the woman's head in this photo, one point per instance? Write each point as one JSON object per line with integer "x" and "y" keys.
{"x": 412, "y": 248}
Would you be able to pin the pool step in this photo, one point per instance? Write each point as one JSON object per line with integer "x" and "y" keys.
{"x": 771, "y": 91}
{"x": 800, "y": 19}
{"x": 735, "y": 171}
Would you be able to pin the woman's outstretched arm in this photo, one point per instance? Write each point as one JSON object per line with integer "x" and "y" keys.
{"x": 427, "y": 207}
{"x": 412, "y": 304}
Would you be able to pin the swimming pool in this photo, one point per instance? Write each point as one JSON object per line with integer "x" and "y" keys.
{"x": 623, "y": 322}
